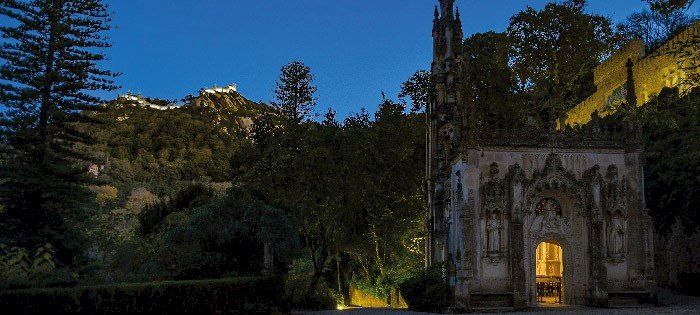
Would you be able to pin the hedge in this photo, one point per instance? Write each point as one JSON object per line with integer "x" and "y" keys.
{"x": 221, "y": 296}
{"x": 427, "y": 291}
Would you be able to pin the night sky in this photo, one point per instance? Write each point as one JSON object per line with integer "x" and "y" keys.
{"x": 357, "y": 49}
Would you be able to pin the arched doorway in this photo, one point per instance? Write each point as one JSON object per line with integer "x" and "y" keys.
{"x": 549, "y": 273}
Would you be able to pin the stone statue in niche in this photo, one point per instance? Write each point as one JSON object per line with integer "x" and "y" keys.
{"x": 618, "y": 239}
{"x": 493, "y": 228}
{"x": 596, "y": 195}
{"x": 458, "y": 190}
{"x": 616, "y": 246}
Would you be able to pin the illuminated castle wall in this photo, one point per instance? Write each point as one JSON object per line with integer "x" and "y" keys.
{"x": 651, "y": 73}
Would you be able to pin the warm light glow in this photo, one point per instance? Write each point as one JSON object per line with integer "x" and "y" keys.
{"x": 549, "y": 260}
{"x": 550, "y": 271}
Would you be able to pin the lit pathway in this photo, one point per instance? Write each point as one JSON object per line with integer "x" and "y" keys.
{"x": 681, "y": 305}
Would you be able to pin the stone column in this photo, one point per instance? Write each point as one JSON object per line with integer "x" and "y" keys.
{"x": 599, "y": 274}
{"x": 517, "y": 254}
{"x": 465, "y": 272}
{"x": 648, "y": 235}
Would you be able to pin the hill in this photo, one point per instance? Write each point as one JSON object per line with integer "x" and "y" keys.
{"x": 153, "y": 143}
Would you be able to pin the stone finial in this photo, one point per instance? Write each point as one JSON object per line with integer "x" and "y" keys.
{"x": 631, "y": 97}
{"x": 446, "y": 6}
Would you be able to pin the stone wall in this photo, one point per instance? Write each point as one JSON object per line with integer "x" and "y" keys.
{"x": 365, "y": 299}
{"x": 652, "y": 73}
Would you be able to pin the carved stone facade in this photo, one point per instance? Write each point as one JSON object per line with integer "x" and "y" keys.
{"x": 493, "y": 200}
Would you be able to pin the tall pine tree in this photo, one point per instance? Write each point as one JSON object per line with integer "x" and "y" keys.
{"x": 51, "y": 51}
{"x": 295, "y": 92}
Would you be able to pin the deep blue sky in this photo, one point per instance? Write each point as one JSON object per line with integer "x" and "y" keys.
{"x": 356, "y": 48}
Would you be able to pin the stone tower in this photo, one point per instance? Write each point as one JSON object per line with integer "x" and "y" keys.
{"x": 442, "y": 113}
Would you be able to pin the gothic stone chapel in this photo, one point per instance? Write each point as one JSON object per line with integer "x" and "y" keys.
{"x": 519, "y": 217}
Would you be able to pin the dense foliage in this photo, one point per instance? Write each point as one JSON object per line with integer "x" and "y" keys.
{"x": 492, "y": 80}
{"x": 352, "y": 189}
{"x": 554, "y": 53}
{"x": 427, "y": 291}
{"x": 240, "y": 295}
{"x": 159, "y": 150}
{"x": 672, "y": 151}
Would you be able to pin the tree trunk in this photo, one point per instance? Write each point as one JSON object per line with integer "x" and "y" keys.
{"x": 377, "y": 251}
{"x": 47, "y": 85}
{"x": 337, "y": 268}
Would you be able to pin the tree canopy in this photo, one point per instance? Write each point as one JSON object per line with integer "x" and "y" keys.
{"x": 554, "y": 53}
{"x": 51, "y": 66}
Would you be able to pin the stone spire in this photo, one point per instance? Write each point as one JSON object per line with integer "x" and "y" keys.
{"x": 446, "y": 7}
{"x": 443, "y": 115}
{"x": 447, "y": 32}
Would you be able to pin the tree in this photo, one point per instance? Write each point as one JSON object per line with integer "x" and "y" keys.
{"x": 554, "y": 53}
{"x": 685, "y": 52}
{"x": 293, "y": 165}
{"x": 51, "y": 65}
{"x": 383, "y": 195}
{"x": 658, "y": 25}
{"x": 418, "y": 88}
{"x": 294, "y": 92}
{"x": 492, "y": 83}
{"x": 672, "y": 158}
{"x": 667, "y": 6}
{"x": 688, "y": 57}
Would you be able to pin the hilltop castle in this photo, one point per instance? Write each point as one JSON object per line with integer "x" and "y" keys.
{"x": 141, "y": 101}
{"x": 517, "y": 216}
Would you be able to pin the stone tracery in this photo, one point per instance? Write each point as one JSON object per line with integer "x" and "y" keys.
{"x": 552, "y": 190}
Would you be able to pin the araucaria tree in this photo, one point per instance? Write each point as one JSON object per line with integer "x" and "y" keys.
{"x": 51, "y": 51}
{"x": 294, "y": 92}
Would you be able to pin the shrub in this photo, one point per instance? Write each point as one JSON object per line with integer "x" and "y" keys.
{"x": 139, "y": 199}
{"x": 236, "y": 295}
{"x": 105, "y": 194}
{"x": 152, "y": 216}
{"x": 298, "y": 289}
{"x": 427, "y": 291}
{"x": 19, "y": 268}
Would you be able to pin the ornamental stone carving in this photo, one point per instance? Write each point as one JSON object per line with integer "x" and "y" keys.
{"x": 616, "y": 212}
{"x": 553, "y": 190}
{"x": 494, "y": 209}
{"x": 550, "y": 210}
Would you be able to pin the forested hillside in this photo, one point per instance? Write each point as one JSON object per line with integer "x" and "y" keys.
{"x": 139, "y": 146}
